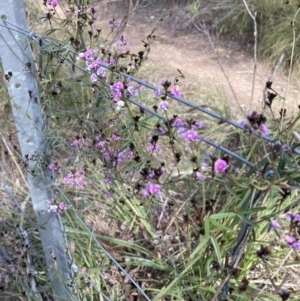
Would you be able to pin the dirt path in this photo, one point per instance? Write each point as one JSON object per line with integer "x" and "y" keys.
{"x": 192, "y": 54}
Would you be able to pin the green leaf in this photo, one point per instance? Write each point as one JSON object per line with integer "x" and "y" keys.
{"x": 217, "y": 249}
{"x": 222, "y": 215}
{"x": 202, "y": 245}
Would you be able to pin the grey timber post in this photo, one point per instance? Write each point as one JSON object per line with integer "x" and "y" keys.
{"x": 17, "y": 60}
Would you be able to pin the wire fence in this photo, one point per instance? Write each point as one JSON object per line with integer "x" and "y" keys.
{"x": 44, "y": 42}
{"x": 58, "y": 50}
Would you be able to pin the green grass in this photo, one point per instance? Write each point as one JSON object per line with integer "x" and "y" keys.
{"x": 177, "y": 245}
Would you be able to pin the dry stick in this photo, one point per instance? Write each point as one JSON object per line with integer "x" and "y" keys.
{"x": 9, "y": 149}
{"x": 278, "y": 269}
{"x": 275, "y": 69}
{"x": 255, "y": 52}
{"x": 220, "y": 65}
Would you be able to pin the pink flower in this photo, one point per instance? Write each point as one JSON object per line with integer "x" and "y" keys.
{"x": 76, "y": 178}
{"x": 199, "y": 124}
{"x": 56, "y": 208}
{"x": 75, "y": 142}
{"x": 152, "y": 189}
{"x": 163, "y": 105}
{"x": 54, "y": 3}
{"x": 200, "y": 176}
{"x": 190, "y": 135}
{"x": 62, "y": 206}
{"x": 220, "y": 166}
{"x": 52, "y": 166}
{"x": 175, "y": 92}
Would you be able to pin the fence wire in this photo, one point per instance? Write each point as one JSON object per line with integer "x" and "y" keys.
{"x": 41, "y": 40}
{"x": 46, "y": 42}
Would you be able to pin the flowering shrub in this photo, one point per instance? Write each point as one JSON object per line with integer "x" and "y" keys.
{"x": 184, "y": 203}
{"x": 131, "y": 148}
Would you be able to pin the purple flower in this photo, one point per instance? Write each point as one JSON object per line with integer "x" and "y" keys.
{"x": 293, "y": 217}
{"x": 109, "y": 194}
{"x": 75, "y": 142}
{"x": 117, "y": 86}
{"x": 190, "y": 135}
{"x": 200, "y": 176}
{"x": 56, "y": 208}
{"x": 94, "y": 65}
{"x": 94, "y": 77}
{"x": 284, "y": 294}
{"x": 76, "y": 178}
{"x": 243, "y": 123}
{"x": 117, "y": 96}
{"x": 112, "y": 24}
{"x": 163, "y": 105}
{"x": 296, "y": 246}
{"x": 175, "y": 92}
{"x": 264, "y": 130}
{"x": 199, "y": 124}
{"x": 220, "y": 166}
{"x": 101, "y": 143}
{"x": 154, "y": 147}
{"x": 177, "y": 122}
{"x": 88, "y": 55}
{"x": 152, "y": 189}
{"x": 290, "y": 239}
{"x": 132, "y": 91}
{"x": 156, "y": 92}
{"x": 274, "y": 224}
{"x": 121, "y": 43}
{"x": 101, "y": 71}
{"x": 54, "y": 3}
{"x": 205, "y": 165}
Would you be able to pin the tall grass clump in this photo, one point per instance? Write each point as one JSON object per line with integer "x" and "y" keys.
{"x": 275, "y": 20}
{"x": 156, "y": 205}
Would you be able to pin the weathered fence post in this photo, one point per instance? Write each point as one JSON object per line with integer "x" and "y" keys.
{"x": 18, "y": 65}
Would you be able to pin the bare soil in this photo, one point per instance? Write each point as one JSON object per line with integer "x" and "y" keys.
{"x": 189, "y": 50}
